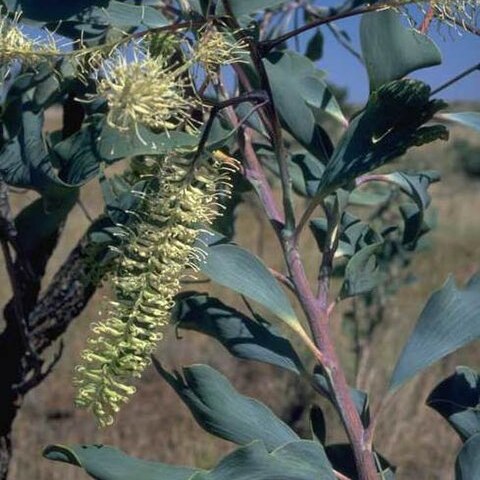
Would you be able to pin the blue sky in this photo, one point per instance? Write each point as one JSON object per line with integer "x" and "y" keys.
{"x": 460, "y": 51}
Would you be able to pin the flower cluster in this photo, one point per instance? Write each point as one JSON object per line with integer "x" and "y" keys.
{"x": 146, "y": 280}
{"x": 216, "y": 48}
{"x": 145, "y": 92}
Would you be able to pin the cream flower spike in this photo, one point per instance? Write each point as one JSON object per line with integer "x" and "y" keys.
{"x": 147, "y": 278}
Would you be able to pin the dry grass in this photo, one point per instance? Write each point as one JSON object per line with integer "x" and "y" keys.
{"x": 156, "y": 425}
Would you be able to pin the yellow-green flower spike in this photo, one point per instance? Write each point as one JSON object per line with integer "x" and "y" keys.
{"x": 147, "y": 278}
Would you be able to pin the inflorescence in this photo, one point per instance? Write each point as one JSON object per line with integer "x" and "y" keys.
{"x": 147, "y": 278}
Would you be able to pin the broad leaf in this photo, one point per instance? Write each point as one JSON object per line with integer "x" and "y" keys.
{"x": 106, "y": 463}
{"x": 222, "y": 411}
{"x": 114, "y": 144}
{"x": 391, "y": 50}
{"x": 241, "y": 271}
{"x": 391, "y": 123}
{"x": 242, "y": 336}
{"x": 449, "y": 321}
{"x": 301, "y": 460}
{"x": 88, "y": 12}
{"x": 300, "y": 93}
{"x": 457, "y": 399}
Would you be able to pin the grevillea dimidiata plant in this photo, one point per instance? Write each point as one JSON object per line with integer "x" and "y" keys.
{"x": 205, "y": 102}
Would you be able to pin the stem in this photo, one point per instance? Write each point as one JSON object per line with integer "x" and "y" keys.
{"x": 268, "y": 45}
{"x": 317, "y": 313}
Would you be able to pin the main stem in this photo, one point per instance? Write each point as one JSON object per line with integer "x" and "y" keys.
{"x": 316, "y": 311}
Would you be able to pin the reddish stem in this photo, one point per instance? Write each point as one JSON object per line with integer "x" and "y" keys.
{"x": 427, "y": 19}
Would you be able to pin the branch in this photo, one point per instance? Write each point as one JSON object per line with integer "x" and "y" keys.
{"x": 268, "y": 45}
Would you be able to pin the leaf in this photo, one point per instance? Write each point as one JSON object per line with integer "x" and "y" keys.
{"x": 222, "y": 411}
{"x": 354, "y": 235}
{"x": 242, "y": 336}
{"x": 106, "y": 463}
{"x": 457, "y": 399}
{"x": 114, "y": 144}
{"x": 391, "y": 50}
{"x": 87, "y": 12}
{"x": 241, "y": 271}
{"x": 362, "y": 274}
{"x": 391, "y": 123}
{"x": 301, "y": 460}
{"x": 449, "y": 321}
{"x": 415, "y": 185}
{"x": 467, "y": 466}
{"x": 468, "y": 119}
{"x": 24, "y": 159}
{"x": 299, "y": 93}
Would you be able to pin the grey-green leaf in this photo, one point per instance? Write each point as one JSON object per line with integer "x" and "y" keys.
{"x": 392, "y": 122}
{"x": 237, "y": 269}
{"x": 391, "y": 50}
{"x": 242, "y": 336}
{"x": 222, "y": 411}
{"x": 361, "y": 274}
{"x": 449, "y": 321}
{"x": 106, "y": 463}
{"x": 301, "y": 460}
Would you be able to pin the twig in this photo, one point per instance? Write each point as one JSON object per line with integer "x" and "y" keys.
{"x": 457, "y": 78}
{"x": 267, "y": 45}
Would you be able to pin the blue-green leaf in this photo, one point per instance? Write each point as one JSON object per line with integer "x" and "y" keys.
{"x": 449, "y": 321}
{"x": 391, "y": 123}
{"x": 301, "y": 460}
{"x": 391, "y": 50}
{"x": 92, "y": 12}
{"x": 242, "y": 336}
{"x": 241, "y": 271}
{"x": 222, "y": 411}
{"x": 106, "y": 463}
{"x": 300, "y": 93}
